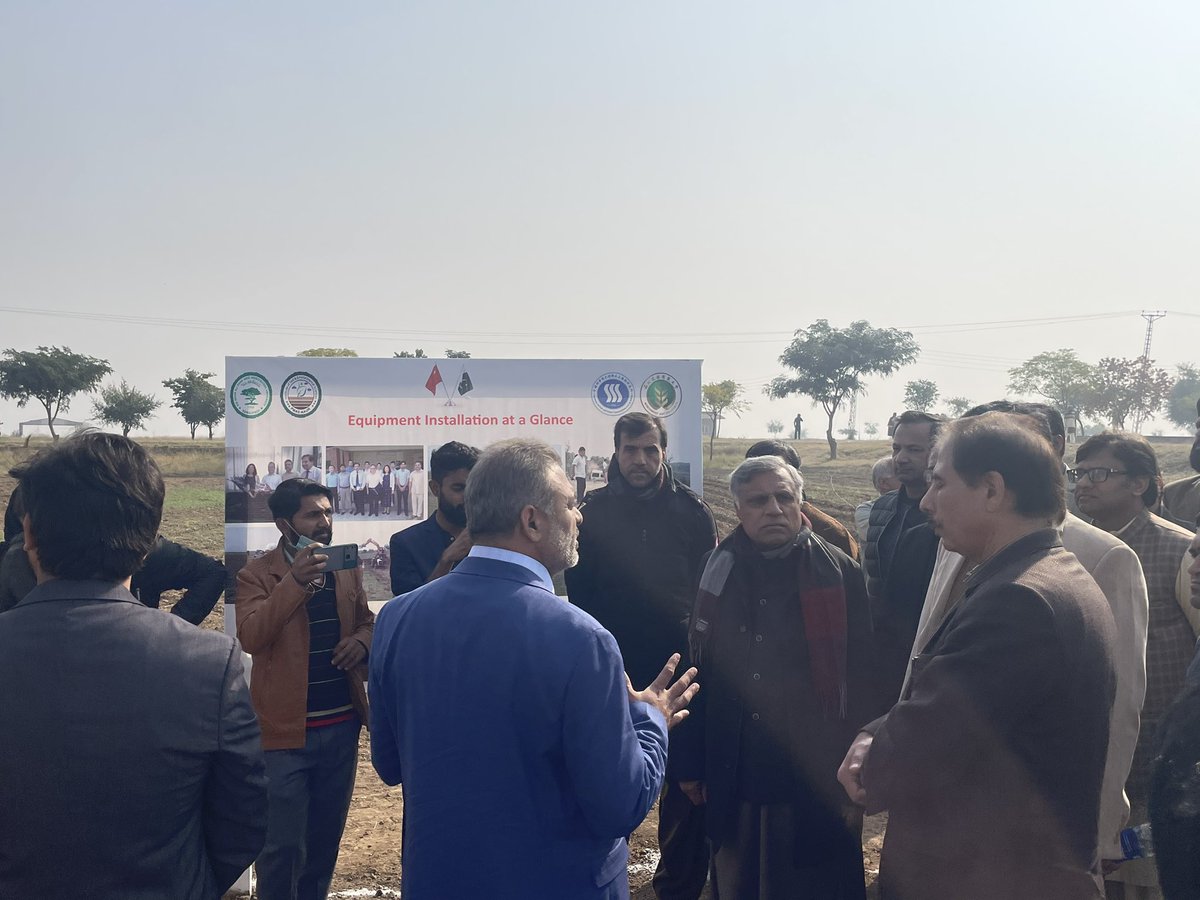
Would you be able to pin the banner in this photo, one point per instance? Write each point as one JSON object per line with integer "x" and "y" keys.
{"x": 315, "y": 417}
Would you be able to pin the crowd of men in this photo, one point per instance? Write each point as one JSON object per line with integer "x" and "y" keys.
{"x": 1013, "y": 683}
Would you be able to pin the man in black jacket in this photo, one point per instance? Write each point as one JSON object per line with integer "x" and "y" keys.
{"x": 899, "y": 552}
{"x": 169, "y": 567}
{"x": 129, "y": 738}
{"x": 640, "y": 546}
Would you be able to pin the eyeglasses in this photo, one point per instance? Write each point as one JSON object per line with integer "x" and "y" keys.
{"x": 1095, "y": 476}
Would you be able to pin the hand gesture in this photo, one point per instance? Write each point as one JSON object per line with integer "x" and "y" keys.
{"x": 670, "y": 701}
{"x": 308, "y": 565}
{"x": 851, "y": 770}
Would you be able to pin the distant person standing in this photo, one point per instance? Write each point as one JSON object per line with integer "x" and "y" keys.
{"x": 358, "y": 490}
{"x": 288, "y": 473}
{"x": 580, "y": 467}
{"x": 891, "y": 425}
{"x": 331, "y": 482}
{"x": 132, "y": 764}
{"x": 798, "y": 427}
{"x": 403, "y": 479}
{"x": 433, "y": 547}
{"x": 418, "y": 490}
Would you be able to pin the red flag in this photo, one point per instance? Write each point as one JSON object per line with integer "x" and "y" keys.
{"x": 432, "y": 382}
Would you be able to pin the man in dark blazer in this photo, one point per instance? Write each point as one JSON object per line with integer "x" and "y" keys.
{"x": 526, "y": 756}
{"x": 132, "y": 766}
{"x": 991, "y": 764}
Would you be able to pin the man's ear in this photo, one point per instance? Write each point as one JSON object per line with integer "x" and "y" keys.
{"x": 435, "y": 488}
{"x": 31, "y": 550}
{"x": 996, "y": 491}
{"x": 530, "y": 525}
{"x": 1139, "y": 484}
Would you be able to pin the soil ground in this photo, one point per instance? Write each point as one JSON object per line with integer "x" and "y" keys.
{"x": 369, "y": 864}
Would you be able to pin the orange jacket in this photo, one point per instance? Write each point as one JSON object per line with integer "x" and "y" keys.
{"x": 272, "y": 624}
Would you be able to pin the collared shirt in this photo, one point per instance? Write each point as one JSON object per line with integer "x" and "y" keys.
{"x": 517, "y": 559}
{"x": 359, "y": 480}
{"x": 402, "y": 476}
{"x": 374, "y": 479}
{"x": 331, "y": 480}
{"x": 273, "y": 480}
{"x": 343, "y": 479}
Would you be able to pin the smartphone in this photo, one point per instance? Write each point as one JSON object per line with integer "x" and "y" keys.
{"x": 341, "y": 556}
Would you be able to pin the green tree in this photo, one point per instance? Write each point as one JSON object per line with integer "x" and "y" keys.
{"x": 125, "y": 406}
{"x": 50, "y": 375}
{"x": 830, "y": 364}
{"x": 1184, "y": 395}
{"x": 199, "y": 402}
{"x": 871, "y": 428}
{"x": 774, "y": 427}
{"x": 957, "y": 406}
{"x": 1125, "y": 388}
{"x": 920, "y": 395}
{"x": 1058, "y": 376}
{"x": 328, "y": 351}
{"x": 718, "y": 398}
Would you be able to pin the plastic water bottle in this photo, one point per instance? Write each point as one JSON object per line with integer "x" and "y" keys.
{"x": 1137, "y": 842}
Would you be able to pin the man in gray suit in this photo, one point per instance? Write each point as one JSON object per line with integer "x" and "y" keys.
{"x": 132, "y": 765}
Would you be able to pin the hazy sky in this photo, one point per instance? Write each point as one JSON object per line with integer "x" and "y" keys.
{"x": 561, "y": 179}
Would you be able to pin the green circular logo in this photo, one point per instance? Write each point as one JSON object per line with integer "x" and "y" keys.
{"x": 250, "y": 395}
{"x": 661, "y": 394}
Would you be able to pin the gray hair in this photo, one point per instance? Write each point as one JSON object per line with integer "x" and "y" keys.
{"x": 509, "y": 476}
{"x": 883, "y": 468}
{"x": 750, "y": 469}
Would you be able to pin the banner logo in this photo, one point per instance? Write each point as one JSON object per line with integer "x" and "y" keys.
{"x": 661, "y": 394}
{"x": 250, "y": 395}
{"x": 300, "y": 394}
{"x": 612, "y": 393}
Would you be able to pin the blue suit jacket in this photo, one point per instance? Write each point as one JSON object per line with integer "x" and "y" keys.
{"x": 503, "y": 711}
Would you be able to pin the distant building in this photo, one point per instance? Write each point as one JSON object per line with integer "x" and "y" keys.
{"x": 41, "y": 427}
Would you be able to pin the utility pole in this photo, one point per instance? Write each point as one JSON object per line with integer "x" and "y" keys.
{"x": 853, "y": 415}
{"x": 1151, "y": 316}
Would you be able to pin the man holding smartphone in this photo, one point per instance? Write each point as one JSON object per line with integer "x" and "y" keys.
{"x": 309, "y": 631}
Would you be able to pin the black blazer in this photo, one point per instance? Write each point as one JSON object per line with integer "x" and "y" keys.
{"x": 132, "y": 765}
{"x": 991, "y": 766}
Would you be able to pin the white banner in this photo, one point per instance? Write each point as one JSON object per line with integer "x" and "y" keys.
{"x": 284, "y": 414}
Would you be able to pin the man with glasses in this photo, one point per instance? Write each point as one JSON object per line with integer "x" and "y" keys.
{"x": 1116, "y": 484}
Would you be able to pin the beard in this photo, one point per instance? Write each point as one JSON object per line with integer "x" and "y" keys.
{"x": 565, "y": 548}
{"x": 455, "y": 515}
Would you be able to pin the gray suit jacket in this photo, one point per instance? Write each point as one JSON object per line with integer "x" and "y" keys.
{"x": 132, "y": 765}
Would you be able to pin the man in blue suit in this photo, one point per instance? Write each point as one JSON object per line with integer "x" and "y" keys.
{"x": 525, "y": 754}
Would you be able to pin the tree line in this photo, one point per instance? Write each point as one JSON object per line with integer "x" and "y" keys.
{"x": 54, "y": 375}
{"x": 830, "y": 365}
